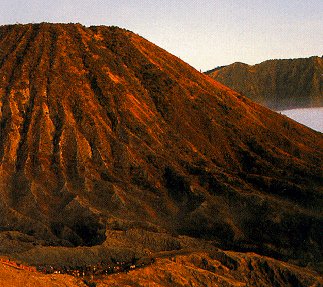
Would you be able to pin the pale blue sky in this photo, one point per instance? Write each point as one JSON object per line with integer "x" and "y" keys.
{"x": 203, "y": 33}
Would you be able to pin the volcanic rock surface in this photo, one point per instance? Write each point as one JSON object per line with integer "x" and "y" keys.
{"x": 277, "y": 84}
{"x": 16, "y": 278}
{"x": 217, "y": 268}
{"x": 103, "y": 132}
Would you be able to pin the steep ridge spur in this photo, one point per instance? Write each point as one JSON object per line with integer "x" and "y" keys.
{"x": 277, "y": 84}
{"x": 100, "y": 125}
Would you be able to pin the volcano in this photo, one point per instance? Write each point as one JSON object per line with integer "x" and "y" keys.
{"x": 104, "y": 137}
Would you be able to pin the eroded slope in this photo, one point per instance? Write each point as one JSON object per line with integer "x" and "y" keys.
{"x": 99, "y": 125}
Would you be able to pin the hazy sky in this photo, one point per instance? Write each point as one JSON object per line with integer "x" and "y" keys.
{"x": 204, "y": 33}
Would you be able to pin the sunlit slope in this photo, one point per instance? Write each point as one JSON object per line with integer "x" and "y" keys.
{"x": 98, "y": 124}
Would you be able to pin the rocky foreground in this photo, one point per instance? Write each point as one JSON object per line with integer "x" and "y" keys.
{"x": 217, "y": 268}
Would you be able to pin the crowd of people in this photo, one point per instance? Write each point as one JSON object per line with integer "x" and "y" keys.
{"x": 100, "y": 269}
{"x": 95, "y": 270}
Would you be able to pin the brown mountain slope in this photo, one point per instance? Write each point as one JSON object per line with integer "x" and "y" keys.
{"x": 277, "y": 84}
{"x": 217, "y": 268}
{"x": 100, "y": 129}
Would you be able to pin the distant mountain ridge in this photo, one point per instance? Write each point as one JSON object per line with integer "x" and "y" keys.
{"x": 277, "y": 84}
